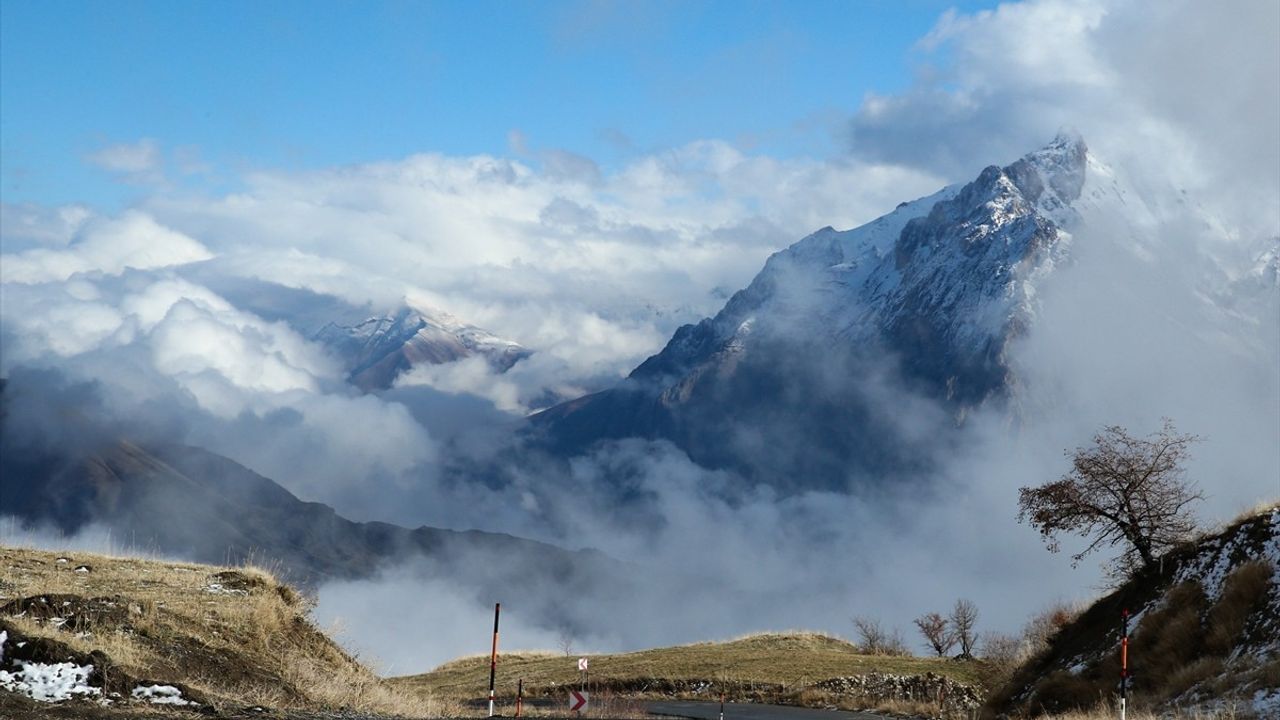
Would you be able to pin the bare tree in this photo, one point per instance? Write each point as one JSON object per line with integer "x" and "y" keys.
{"x": 936, "y": 630}
{"x": 1122, "y": 490}
{"x": 964, "y": 619}
{"x": 875, "y": 640}
{"x": 565, "y": 640}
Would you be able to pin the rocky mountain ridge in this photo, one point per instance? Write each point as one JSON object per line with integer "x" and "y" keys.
{"x": 379, "y": 349}
{"x": 930, "y": 295}
{"x": 373, "y": 344}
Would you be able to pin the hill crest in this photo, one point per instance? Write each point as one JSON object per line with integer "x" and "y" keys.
{"x": 1205, "y": 633}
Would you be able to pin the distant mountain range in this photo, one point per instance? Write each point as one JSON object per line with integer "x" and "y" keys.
{"x": 375, "y": 345}
{"x": 377, "y": 350}
{"x": 188, "y": 502}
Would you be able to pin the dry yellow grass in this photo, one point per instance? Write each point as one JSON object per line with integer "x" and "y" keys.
{"x": 235, "y": 636}
{"x": 1261, "y": 507}
{"x": 1106, "y": 712}
{"x": 764, "y": 666}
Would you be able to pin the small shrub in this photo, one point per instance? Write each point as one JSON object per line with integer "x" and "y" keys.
{"x": 1243, "y": 593}
{"x": 1063, "y": 692}
{"x": 1189, "y": 676}
{"x": 1003, "y": 654}
{"x": 1170, "y": 637}
{"x": 1044, "y": 626}
{"x": 1001, "y": 648}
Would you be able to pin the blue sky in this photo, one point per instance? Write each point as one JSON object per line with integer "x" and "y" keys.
{"x": 222, "y": 88}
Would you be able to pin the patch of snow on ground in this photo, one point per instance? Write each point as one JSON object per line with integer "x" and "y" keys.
{"x": 1266, "y": 703}
{"x": 1271, "y": 551}
{"x": 160, "y": 695}
{"x": 218, "y": 589}
{"x": 49, "y": 682}
{"x": 1210, "y": 568}
{"x": 1135, "y": 619}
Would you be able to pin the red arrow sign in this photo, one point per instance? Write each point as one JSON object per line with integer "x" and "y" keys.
{"x": 577, "y": 700}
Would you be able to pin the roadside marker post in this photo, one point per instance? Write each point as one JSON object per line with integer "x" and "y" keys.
{"x": 493, "y": 655}
{"x": 721, "y": 705}
{"x": 519, "y": 696}
{"x": 1124, "y": 661}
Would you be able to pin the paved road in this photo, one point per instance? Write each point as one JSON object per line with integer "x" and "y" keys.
{"x": 751, "y": 711}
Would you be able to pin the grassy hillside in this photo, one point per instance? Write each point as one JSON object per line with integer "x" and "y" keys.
{"x": 791, "y": 667}
{"x": 225, "y": 638}
{"x": 1205, "y": 634}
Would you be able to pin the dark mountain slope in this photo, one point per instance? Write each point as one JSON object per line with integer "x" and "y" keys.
{"x": 193, "y": 503}
{"x": 61, "y": 468}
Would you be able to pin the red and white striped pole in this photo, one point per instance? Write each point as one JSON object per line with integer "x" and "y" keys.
{"x": 1124, "y": 661}
{"x": 493, "y": 656}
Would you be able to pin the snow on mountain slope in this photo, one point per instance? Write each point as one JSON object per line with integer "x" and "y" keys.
{"x": 939, "y": 288}
{"x": 373, "y": 344}
{"x": 377, "y": 350}
{"x": 952, "y": 274}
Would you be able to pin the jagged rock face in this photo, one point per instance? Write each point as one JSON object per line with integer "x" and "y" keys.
{"x": 941, "y": 286}
{"x": 377, "y": 350}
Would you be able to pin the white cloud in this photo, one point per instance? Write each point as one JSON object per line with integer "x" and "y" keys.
{"x": 593, "y": 268}
{"x": 252, "y": 356}
{"x": 138, "y": 162}
{"x": 109, "y": 245}
{"x": 57, "y": 323}
{"x": 1180, "y": 93}
{"x": 439, "y": 625}
{"x": 471, "y": 375}
{"x": 163, "y": 349}
{"x": 26, "y": 225}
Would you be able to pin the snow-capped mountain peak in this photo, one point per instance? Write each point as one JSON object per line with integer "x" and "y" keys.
{"x": 802, "y": 378}
{"x": 941, "y": 284}
{"x": 1053, "y": 177}
{"x": 378, "y": 349}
